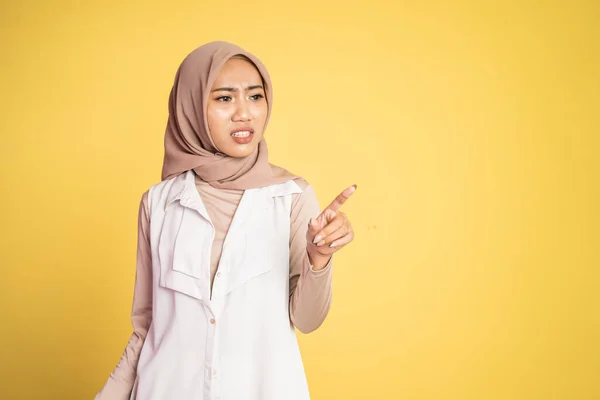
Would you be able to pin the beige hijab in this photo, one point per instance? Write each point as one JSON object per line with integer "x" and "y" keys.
{"x": 188, "y": 144}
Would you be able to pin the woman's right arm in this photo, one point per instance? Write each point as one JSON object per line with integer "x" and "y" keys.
{"x": 121, "y": 380}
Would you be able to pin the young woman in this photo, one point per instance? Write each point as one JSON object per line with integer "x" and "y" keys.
{"x": 233, "y": 252}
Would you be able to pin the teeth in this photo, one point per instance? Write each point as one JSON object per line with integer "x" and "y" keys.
{"x": 241, "y": 134}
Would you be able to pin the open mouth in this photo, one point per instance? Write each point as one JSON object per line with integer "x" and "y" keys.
{"x": 243, "y": 136}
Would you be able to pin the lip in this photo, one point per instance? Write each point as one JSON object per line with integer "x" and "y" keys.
{"x": 247, "y": 129}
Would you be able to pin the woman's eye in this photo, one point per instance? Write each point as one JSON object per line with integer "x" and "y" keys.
{"x": 224, "y": 98}
{"x": 256, "y": 96}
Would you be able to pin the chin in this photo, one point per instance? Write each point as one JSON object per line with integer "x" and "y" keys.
{"x": 240, "y": 151}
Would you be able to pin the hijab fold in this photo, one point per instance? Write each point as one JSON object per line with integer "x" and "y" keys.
{"x": 188, "y": 144}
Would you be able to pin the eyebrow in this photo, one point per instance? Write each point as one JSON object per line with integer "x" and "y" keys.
{"x": 230, "y": 89}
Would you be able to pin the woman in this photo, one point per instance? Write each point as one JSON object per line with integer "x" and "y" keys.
{"x": 233, "y": 252}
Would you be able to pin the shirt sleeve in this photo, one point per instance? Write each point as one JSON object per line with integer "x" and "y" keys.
{"x": 310, "y": 290}
{"x": 120, "y": 382}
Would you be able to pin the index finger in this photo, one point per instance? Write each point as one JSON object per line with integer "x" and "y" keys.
{"x": 336, "y": 204}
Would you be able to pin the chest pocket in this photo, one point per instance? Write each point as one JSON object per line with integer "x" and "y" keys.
{"x": 183, "y": 251}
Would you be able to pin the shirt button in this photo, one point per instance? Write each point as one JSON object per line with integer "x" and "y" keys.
{"x": 214, "y": 371}
{"x": 212, "y": 321}
{"x": 218, "y": 274}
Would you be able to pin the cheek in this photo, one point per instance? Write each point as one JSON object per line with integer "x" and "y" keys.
{"x": 261, "y": 111}
{"x": 217, "y": 119}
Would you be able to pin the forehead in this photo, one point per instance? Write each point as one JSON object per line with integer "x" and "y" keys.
{"x": 237, "y": 71}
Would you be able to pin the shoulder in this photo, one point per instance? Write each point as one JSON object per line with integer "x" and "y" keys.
{"x": 302, "y": 183}
{"x": 306, "y": 200}
{"x": 164, "y": 186}
{"x": 307, "y": 192}
{"x": 165, "y": 190}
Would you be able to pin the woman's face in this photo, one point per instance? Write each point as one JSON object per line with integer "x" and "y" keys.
{"x": 237, "y": 109}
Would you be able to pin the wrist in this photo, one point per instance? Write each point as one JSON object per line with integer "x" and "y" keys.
{"x": 318, "y": 262}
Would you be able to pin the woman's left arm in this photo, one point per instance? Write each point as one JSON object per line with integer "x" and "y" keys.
{"x": 310, "y": 260}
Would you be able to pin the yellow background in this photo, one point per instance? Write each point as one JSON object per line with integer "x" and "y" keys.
{"x": 471, "y": 129}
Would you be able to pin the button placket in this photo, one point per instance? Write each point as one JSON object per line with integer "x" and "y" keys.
{"x": 211, "y": 353}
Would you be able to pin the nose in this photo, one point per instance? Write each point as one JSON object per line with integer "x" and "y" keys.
{"x": 242, "y": 111}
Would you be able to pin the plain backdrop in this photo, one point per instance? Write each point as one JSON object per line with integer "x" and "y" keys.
{"x": 470, "y": 127}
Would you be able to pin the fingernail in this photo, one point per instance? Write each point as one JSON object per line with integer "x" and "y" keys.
{"x": 317, "y": 239}
{"x": 333, "y": 244}
{"x": 321, "y": 243}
